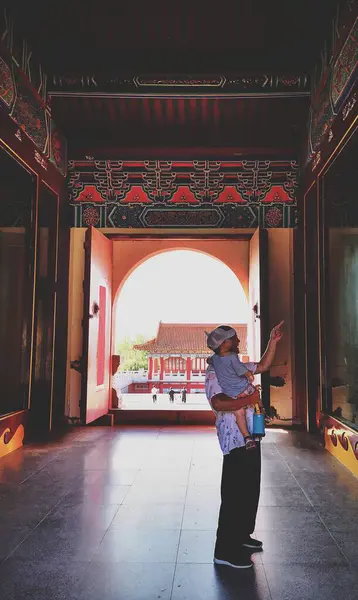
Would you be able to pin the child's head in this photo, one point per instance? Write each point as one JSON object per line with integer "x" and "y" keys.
{"x": 223, "y": 339}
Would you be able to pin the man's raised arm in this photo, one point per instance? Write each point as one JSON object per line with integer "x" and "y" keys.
{"x": 269, "y": 355}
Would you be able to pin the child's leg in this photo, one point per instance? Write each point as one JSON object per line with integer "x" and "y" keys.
{"x": 240, "y": 416}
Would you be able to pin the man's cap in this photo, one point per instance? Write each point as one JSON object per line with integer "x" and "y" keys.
{"x": 216, "y": 337}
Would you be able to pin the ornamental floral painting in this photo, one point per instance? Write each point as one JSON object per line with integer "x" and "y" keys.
{"x": 173, "y": 194}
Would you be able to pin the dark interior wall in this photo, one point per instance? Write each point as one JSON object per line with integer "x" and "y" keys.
{"x": 333, "y": 120}
{"x": 17, "y": 197}
{"x": 31, "y": 140}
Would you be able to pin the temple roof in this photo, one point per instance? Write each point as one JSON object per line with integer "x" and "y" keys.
{"x": 186, "y": 338}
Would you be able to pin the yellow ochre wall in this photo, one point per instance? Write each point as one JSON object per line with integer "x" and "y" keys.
{"x": 281, "y": 279}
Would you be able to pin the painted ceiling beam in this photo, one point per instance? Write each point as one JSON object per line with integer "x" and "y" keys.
{"x": 240, "y": 85}
{"x": 107, "y": 152}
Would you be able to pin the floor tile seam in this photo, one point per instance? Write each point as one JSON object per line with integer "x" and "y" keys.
{"x": 133, "y": 482}
{"x": 179, "y": 541}
{"x": 278, "y": 565}
{"x": 57, "y": 454}
{"x": 100, "y": 540}
{"x": 37, "y": 471}
{"x": 115, "y": 515}
{"x": 174, "y": 575}
{"x": 266, "y": 578}
{"x": 197, "y": 529}
{"x": 182, "y": 518}
{"x": 314, "y": 508}
{"x": 350, "y": 563}
{"x": 53, "y": 509}
{"x": 181, "y": 527}
{"x": 297, "y": 482}
{"x": 34, "y": 528}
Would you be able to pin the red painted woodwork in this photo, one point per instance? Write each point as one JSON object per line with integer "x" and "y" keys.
{"x": 150, "y": 368}
{"x": 12, "y": 433}
{"x": 105, "y": 151}
{"x": 198, "y": 365}
{"x": 116, "y": 361}
{"x": 101, "y": 343}
{"x": 180, "y": 339}
{"x": 175, "y": 348}
{"x": 91, "y": 122}
{"x": 90, "y": 194}
{"x": 230, "y": 194}
{"x": 188, "y": 369}
{"x": 136, "y": 195}
{"x": 184, "y": 195}
{"x": 96, "y": 388}
{"x": 277, "y": 194}
{"x": 174, "y": 364}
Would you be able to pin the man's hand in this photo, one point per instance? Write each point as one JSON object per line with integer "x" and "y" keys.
{"x": 269, "y": 355}
{"x": 222, "y": 403}
{"x": 277, "y": 333}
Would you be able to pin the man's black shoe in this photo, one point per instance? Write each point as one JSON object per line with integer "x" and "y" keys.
{"x": 253, "y": 544}
{"x": 238, "y": 561}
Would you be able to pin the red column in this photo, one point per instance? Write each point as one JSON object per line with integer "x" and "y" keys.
{"x": 150, "y": 368}
{"x": 161, "y": 375}
{"x": 188, "y": 373}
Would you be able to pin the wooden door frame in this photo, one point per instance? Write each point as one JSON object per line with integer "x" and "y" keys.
{"x": 90, "y": 237}
{"x": 264, "y": 311}
{"x": 86, "y": 285}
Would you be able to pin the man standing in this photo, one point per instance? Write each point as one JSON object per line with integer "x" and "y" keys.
{"x": 154, "y": 394}
{"x": 183, "y": 396}
{"x": 171, "y": 395}
{"x": 241, "y": 473}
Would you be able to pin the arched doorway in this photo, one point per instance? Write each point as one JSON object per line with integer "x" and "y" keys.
{"x": 172, "y": 297}
{"x": 128, "y": 254}
{"x": 240, "y": 253}
{"x": 183, "y": 282}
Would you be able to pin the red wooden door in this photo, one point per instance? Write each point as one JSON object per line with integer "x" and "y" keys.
{"x": 258, "y": 325}
{"x": 97, "y": 330}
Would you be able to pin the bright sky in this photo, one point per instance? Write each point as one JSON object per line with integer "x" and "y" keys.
{"x": 180, "y": 286}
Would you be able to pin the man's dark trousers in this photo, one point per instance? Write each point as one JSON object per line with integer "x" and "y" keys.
{"x": 240, "y": 492}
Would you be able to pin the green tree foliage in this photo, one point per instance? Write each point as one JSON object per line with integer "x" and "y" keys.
{"x": 131, "y": 359}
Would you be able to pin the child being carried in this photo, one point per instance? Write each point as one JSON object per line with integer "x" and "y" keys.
{"x": 234, "y": 379}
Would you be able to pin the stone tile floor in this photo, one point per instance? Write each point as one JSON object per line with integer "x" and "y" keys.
{"x": 130, "y": 514}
